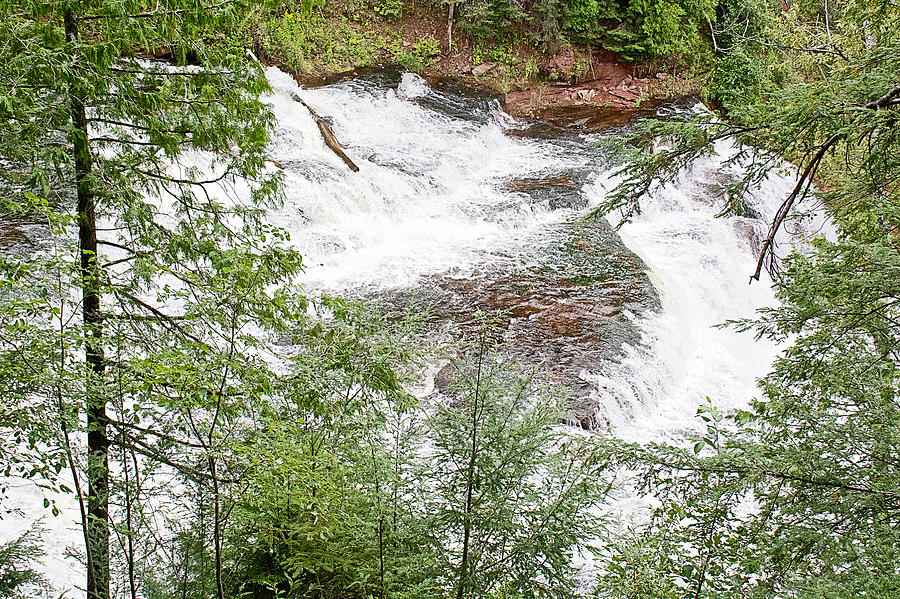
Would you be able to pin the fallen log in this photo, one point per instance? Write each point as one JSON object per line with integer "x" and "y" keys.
{"x": 525, "y": 185}
{"x": 324, "y": 128}
{"x": 327, "y": 134}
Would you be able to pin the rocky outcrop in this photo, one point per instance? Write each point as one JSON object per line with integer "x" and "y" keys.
{"x": 614, "y": 90}
{"x": 568, "y": 315}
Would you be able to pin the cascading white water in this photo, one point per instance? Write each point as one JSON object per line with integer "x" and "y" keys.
{"x": 429, "y": 199}
{"x": 701, "y": 267}
{"x": 426, "y": 198}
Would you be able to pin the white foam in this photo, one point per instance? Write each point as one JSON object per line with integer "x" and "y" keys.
{"x": 700, "y": 266}
{"x": 412, "y": 86}
{"x": 426, "y": 198}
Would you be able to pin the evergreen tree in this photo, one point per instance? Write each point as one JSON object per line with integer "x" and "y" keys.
{"x": 17, "y": 558}
{"x": 512, "y": 497}
{"x": 797, "y": 496}
{"x": 138, "y": 302}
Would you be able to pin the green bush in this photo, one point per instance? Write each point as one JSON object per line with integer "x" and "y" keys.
{"x": 585, "y": 19}
{"x": 313, "y": 43}
{"x": 419, "y": 56}
{"x": 637, "y": 28}
{"x": 491, "y": 19}
{"x": 736, "y": 79}
{"x": 389, "y": 8}
{"x": 667, "y": 27}
{"x": 580, "y": 16}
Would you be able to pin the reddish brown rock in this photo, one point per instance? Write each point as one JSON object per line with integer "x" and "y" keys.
{"x": 628, "y": 95}
{"x": 483, "y": 69}
{"x": 561, "y": 65}
{"x": 563, "y": 317}
{"x": 444, "y": 377}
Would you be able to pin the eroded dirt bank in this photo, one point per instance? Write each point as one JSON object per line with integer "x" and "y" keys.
{"x": 560, "y": 85}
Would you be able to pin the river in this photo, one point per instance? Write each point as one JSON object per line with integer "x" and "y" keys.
{"x": 460, "y": 207}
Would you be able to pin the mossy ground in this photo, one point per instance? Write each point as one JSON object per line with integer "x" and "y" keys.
{"x": 318, "y": 42}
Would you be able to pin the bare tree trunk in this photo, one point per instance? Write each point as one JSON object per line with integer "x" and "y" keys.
{"x": 98, "y": 442}
{"x": 450, "y": 12}
{"x": 380, "y": 506}
{"x": 131, "y": 491}
{"x": 187, "y": 561}
{"x": 327, "y": 135}
{"x": 380, "y": 536}
{"x": 129, "y": 525}
{"x": 217, "y": 528}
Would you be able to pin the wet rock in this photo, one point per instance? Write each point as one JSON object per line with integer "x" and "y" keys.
{"x": 748, "y": 231}
{"x": 560, "y": 192}
{"x": 10, "y": 236}
{"x": 524, "y": 185}
{"x": 565, "y": 314}
{"x": 592, "y": 117}
{"x": 445, "y": 377}
{"x": 14, "y": 234}
{"x": 612, "y": 90}
{"x": 483, "y": 69}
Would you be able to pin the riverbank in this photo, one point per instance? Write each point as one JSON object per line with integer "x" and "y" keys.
{"x": 560, "y": 83}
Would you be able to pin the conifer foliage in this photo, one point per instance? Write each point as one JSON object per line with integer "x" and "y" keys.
{"x": 135, "y": 300}
{"x": 797, "y": 496}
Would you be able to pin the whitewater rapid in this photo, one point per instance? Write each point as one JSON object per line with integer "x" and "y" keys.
{"x": 430, "y": 200}
{"x": 700, "y": 265}
{"x": 427, "y": 200}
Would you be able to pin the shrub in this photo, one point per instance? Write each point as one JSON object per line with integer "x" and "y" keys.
{"x": 735, "y": 80}
{"x": 389, "y": 8}
{"x": 17, "y": 577}
{"x": 419, "y": 56}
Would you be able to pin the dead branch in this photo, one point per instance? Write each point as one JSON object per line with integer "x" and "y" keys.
{"x": 327, "y": 134}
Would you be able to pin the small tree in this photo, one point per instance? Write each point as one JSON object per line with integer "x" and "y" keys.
{"x": 514, "y": 496}
{"x": 323, "y": 512}
{"x": 18, "y": 578}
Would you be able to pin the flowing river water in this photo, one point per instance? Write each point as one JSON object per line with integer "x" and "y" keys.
{"x": 459, "y": 207}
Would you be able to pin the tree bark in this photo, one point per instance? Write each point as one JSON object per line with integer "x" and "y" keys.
{"x": 470, "y": 483}
{"x": 450, "y": 11}
{"x": 95, "y": 403}
{"x": 132, "y": 583}
{"x": 217, "y": 530}
{"x": 327, "y": 135}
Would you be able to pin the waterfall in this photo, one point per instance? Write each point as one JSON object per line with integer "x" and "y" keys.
{"x": 427, "y": 200}
{"x": 428, "y": 196}
{"x": 701, "y": 267}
